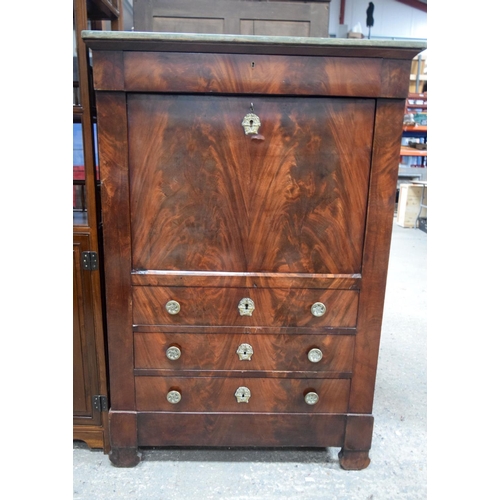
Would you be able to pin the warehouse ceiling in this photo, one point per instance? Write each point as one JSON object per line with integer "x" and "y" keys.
{"x": 417, "y": 4}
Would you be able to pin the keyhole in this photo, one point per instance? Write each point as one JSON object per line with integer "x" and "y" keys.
{"x": 251, "y": 125}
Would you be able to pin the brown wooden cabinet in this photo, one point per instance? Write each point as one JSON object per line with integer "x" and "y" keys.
{"x": 90, "y": 388}
{"x": 248, "y": 189}
{"x": 245, "y": 17}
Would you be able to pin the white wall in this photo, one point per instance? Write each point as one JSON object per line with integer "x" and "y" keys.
{"x": 392, "y": 18}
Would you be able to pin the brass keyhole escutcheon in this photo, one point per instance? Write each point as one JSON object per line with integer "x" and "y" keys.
{"x": 251, "y": 124}
{"x": 242, "y": 394}
{"x": 245, "y": 352}
{"x": 246, "y": 307}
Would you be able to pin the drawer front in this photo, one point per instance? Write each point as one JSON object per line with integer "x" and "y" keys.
{"x": 216, "y": 394}
{"x": 183, "y": 351}
{"x": 228, "y": 307}
{"x": 240, "y": 429}
{"x": 245, "y": 73}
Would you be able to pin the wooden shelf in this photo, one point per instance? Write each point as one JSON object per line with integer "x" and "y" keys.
{"x": 415, "y": 128}
{"x": 103, "y": 9}
{"x": 407, "y": 151}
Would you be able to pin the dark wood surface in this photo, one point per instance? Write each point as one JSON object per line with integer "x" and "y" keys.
{"x": 217, "y": 394}
{"x": 262, "y": 74}
{"x": 278, "y": 307}
{"x": 376, "y": 252}
{"x": 219, "y": 352}
{"x": 196, "y": 211}
{"x": 89, "y": 351}
{"x": 294, "y": 202}
{"x": 112, "y": 123}
{"x": 253, "y": 17}
{"x": 241, "y": 429}
{"x": 245, "y": 280}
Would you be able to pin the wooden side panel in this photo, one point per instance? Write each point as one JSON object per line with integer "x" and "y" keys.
{"x": 387, "y": 141}
{"x": 176, "y": 429}
{"x": 112, "y": 123}
{"x": 215, "y": 394}
{"x": 206, "y": 196}
{"x": 219, "y": 306}
{"x": 219, "y": 352}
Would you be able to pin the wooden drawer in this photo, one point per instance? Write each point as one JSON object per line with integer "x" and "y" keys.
{"x": 242, "y": 74}
{"x": 219, "y": 306}
{"x": 223, "y": 351}
{"x": 216, "y": 394}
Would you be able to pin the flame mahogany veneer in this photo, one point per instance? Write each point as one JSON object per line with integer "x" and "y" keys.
{"x": 198, "y": 212}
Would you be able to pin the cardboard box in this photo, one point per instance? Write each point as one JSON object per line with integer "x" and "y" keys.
{"x": 409, "y": 204}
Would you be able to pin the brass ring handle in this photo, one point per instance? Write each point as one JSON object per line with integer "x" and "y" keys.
{"x": 173, "y": 307}
{"x": 174, "y": 397}
{"x": 318, "y": 309}
{"x": 173, "y": 353}
{"x": 245, "y": 352}
{"x": 315, "y": 355}
{"x": 311, "y": 398}
{"x": 242, "y": 394}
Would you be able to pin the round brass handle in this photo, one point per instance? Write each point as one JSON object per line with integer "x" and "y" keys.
{"x": 174, "y": 397}
{"x": 173, "y": 307}
{"x": 242, "y": 394}
{"x": 311, "y": 398}
{"x": 173, "y": 353}
{"x": 318, "y": 309}
{"x": 245, "y": 352}
{"x": 315, "y": 355}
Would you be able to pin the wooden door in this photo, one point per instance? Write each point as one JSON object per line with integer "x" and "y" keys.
{"x": 289, "y": 199}
{"x": 86, "y": 383}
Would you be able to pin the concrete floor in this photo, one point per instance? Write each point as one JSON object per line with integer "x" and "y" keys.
{"x": 398, "y": 468}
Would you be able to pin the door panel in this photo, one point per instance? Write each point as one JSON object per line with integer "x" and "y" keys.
{"x": 85, "y": 378}
{"x": 292, "y": 199}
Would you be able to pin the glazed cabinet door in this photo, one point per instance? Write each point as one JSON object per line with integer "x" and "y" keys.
{"x": 207, "y": 196}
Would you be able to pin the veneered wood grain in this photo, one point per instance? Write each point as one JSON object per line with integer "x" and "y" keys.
{"x": 217, "y": 394}
{"x": 113, "y": 161}
{"x": 205, "y": 196}
{"x": 386, "y": 146}
{"x": 249, "y": 330}
{"x": 242, "y": 429}
{"x": 219, "y": 352}
{"x": 108, "y": 70}
{"x": 219, "y": 306}
{"x": 258, "y": 74}
{"x": 246, "y": 280}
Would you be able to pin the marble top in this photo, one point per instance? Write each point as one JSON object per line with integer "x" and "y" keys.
{"x": 137, "y": 36}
